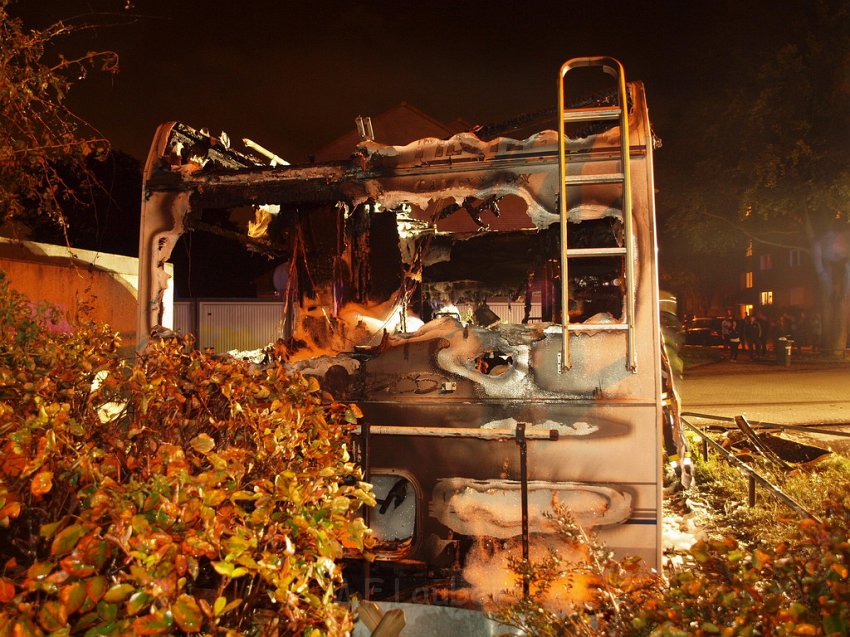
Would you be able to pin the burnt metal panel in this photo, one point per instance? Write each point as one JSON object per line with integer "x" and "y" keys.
{"x": 467, "y": 221}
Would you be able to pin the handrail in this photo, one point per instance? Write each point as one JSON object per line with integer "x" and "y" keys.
{"x": 752, "y": 473}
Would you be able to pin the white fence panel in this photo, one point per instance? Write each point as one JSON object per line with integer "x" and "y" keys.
{"x": 183, "y": 322}
{"x": 229, "y": 325}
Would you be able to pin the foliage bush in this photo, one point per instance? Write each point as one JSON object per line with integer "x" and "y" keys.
{"x": 724, "y": 488}
{"x": 618, "y": 588}
{"x": 183, "y": 493}
{"x": 797, "y": 586}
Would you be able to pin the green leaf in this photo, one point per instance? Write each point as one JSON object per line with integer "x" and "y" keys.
{"x": 104, "y": 628}
{"x": 223, "y": 568}
{"x": 202, "y": 443}
{"x": 140, "y": 524}
{"x": 118, "y": 592}
{"x": 40, "y": 570}
{"x": 158, "y": 623}
{"x": 52, "y": 615}
{"x": 834, "y": 625}
{"x": 187, "y": 614}
{"x": 85, "y": 622}
{"x": 96, "y": 587}
{"x": 106, "y": 611}
{"x": 138, "y": 602}
{"x": 97, "y": 553}
{"x": 47, "y": 531}
{"x": 352, "y": 414}
{"x": 67, "y": 539}
{"x": 222, "y": 606}
{"x": 73, "y": 596}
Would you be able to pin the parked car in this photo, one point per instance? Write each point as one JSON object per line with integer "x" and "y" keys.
{"x": 704, "y": 331}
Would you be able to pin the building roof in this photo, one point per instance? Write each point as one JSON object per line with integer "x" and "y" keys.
{"x": 396, "y": 126}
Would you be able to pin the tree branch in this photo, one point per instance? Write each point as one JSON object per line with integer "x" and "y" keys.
{"x": 752, "y": 235}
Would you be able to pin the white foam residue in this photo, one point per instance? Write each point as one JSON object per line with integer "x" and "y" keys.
{"x": 321, "y": 364}
{"x": 586, "y": 212}
{"x": 577, "y": 428}
{"x": 493, "y": 508}
{"x": 601, "y": 317}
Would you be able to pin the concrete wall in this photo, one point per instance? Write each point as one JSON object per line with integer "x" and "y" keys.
{"x": 74, "y": 279}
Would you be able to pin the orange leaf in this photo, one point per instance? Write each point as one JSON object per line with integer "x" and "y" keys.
{"x": 41, "y": 483}
{"x": 7, "y": 590}
{"x": 11, "y": 510}
{"x": 24, "y": 627}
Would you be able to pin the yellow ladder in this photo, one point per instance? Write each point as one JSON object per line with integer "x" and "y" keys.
{"x": 619, "y": 112}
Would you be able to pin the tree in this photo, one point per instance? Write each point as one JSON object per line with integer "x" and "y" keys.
{"x": 44, "y": 147}
{"x": 776, "y": 167}
{"x": 107, "y": 217}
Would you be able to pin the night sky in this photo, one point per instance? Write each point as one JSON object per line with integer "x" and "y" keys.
{"x": 293, "y": 75}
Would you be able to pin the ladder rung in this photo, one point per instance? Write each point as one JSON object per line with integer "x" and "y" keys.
{"x": 609, "y": 178}
{"x": 595, "y": 252}
{"x": 590, "y": 114}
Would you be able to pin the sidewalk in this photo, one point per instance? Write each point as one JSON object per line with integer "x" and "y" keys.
{"x": 801, "y": 361}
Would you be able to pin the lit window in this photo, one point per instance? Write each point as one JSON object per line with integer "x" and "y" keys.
{"x": 794, "y": 257}
{"x": 748, "y": 309}
{"x": 766, "y": 261}
{"x": 749, "y": 252}
{"x": 748, "y": 280}
{"x": 767, "y": 297}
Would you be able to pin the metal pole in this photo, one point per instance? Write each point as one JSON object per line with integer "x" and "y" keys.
{"x": 523, "y": 476}
{"x": 367, "y": 567}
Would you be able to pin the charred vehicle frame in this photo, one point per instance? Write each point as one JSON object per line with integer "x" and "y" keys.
{"x": 426, "y": 284}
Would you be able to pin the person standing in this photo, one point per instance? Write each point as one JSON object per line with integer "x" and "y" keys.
{"x": 730, "y": 335}
{"x": 743, "y": 330}
{"x": 734, "y": 339}
{"x": 755, "y": 339}
{"x": 763, "y": 327}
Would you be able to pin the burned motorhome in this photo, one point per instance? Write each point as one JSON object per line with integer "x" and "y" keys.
{"x": 490, "y": 303}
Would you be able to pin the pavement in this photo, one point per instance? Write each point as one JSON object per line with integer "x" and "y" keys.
{"x": 801, "y": 361}
{"x": 808, "y": 392}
